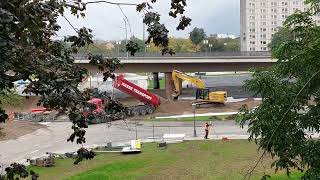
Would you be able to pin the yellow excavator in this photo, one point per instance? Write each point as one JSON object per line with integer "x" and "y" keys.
{"x": 203, "y": 94}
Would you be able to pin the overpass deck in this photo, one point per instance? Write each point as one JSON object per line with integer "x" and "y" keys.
{"x": 187, "y": 64}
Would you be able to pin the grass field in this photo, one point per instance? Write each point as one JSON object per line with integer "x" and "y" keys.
{"x": 219, "y": 160}
{"x": 200, "y": 118}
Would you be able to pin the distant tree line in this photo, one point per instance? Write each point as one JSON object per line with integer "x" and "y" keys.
{"x": 195, "y": 43}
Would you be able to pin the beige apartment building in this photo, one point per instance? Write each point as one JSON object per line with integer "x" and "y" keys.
{"x": 260, "y": 19}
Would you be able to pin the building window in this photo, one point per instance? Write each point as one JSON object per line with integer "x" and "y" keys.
{"x": 252, "y": 5}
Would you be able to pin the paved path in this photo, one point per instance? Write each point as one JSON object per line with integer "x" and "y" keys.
{"x": 53, "y": 138}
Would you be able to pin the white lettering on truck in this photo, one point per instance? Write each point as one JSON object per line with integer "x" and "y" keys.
{"x": 142, "y": 94}
{"x": 126, "y": 86}
{"x": 136, "y": 91}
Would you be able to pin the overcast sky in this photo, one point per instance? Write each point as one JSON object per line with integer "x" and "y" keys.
{"x": 106, "y": 21}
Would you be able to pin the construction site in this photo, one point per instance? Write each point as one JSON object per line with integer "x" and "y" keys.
{"x": 136, "y": 93}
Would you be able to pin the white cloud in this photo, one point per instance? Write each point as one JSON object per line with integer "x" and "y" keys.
{"x": 106, "y": 21}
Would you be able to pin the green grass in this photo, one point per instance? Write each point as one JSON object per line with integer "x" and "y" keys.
{"x": 202, "y": 160}
{"x": 295, "y": 175}
{"x": 161, "y": 81}
{"x": 227, "y": 74}
{"x": 200, "y": 118}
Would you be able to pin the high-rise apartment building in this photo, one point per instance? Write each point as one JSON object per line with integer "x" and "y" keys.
{"x": 260, "y": 19}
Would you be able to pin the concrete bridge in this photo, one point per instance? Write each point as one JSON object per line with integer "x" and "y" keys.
{"x": 187, "y": 62}
{"x": 205, "y": 62}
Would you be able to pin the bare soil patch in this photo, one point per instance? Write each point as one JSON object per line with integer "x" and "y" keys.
{"x": 15, "y": 129}
{"x": 27, "y": 104}
{"x": 168, "y": 108}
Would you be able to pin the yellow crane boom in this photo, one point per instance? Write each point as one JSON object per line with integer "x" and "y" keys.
{"x": 178, "y": 77}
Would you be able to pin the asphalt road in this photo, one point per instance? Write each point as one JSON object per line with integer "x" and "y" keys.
{"x": 53, "y": 138}
{"x": 226, "y": 80}
{"x": 230, "y": 83}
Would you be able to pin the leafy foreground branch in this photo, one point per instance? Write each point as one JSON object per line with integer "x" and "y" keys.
{"x": 29, "y": 52}
{"x": 289, "y": 114}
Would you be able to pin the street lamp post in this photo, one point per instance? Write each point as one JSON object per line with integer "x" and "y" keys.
{"x": 147, "y": 47}
{"x": 194, "y": 107}
{"x": 118, "y": 43}
{"x": 205, "y": 42}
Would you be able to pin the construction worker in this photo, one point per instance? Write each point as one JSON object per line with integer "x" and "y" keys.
{"x": 206, "y": 128}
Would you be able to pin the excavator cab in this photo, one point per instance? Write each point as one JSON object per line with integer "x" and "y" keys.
{"x": 219, "y": 97}
{"x": 202, "y": 94}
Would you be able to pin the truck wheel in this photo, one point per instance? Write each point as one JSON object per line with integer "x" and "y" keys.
{"x": 122, "y": 116}
{"x": 135, "y": 113}
{"x": 150, "y": 110}
{"x": 143, "y": 112}
{"x": 103, "y": 119}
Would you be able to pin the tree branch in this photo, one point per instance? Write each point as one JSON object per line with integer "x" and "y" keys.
{"x": 96, "y": 2}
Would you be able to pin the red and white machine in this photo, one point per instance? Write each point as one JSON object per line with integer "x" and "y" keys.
{"x": 150, "y": 100}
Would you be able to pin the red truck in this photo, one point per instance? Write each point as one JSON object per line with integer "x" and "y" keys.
{"x": 150, "y": 101}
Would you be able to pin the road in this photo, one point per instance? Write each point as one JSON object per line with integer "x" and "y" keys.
{"x": 53, "y": 138}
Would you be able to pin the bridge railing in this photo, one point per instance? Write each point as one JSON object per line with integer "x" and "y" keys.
{"x": 180, "y": 55}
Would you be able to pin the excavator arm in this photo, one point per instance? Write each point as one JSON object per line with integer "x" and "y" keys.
{"x": 178, "y": 77}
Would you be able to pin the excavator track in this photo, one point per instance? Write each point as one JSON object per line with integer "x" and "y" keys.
{"x": 202, "y": 103}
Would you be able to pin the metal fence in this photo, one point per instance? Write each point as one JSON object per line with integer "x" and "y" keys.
{"x": 154, "y": 129}
{"x": 35, "y": 117}
{"x": 181, "y": 55}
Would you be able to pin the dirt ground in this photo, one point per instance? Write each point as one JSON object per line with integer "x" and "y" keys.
{"x": 15, "y": 129}
{"x": 180, "y": 107}
{"x": 27, "y": 105}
